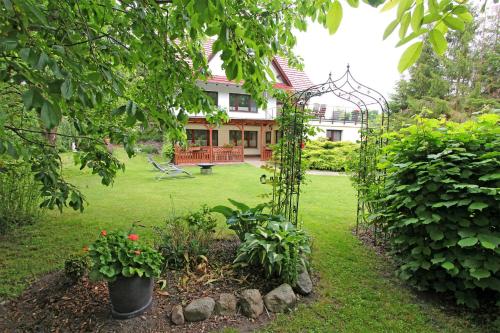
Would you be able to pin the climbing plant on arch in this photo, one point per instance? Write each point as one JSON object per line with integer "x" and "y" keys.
{"x": 294, "y": 127}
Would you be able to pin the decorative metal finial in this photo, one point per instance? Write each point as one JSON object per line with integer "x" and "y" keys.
{"x": 348, "y": 66}
{"x": 330, "y": 75}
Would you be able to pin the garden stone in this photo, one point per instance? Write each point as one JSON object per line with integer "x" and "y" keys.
{"x": 199, "y": 309}
{"x": 251, "y": 303}
{"x": 226, "y": 304}
{"x": 304, "y": 284}
{"x": 177, "y": 315}
{"x": 280, "y": 299}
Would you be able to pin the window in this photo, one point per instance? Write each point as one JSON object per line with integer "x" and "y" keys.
{"x": 268, "y": 137}
{"x": 214, "y": 95}
{"x": 250, "y": 138}
{"x": 277, "y": 136}
{"x": 199, "y": 137}
{"x": 334, "y": 135}
{"x": 241, "y": 103}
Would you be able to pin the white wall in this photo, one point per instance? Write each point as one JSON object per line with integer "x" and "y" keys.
{"x": 349, "y": 132}
{"x": 223, "y": 90}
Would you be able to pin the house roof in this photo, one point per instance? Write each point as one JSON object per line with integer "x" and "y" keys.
{"x": 294, "y": 79}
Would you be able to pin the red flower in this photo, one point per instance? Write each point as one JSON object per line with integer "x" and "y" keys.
{"x": 133, "y": 237}
{"x": 103, "y": 233}
{"x": 302, "y": 145}
{"x": 137, "y": 252}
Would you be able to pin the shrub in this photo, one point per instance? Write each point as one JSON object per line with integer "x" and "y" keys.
{"x": 327, "y": 155}
{"x": 117, "y": 254}
{"x": 277, "y": 247}
{"x": 441, "y": 207}
{"x": 76, "y": 266}
{"x": 243, "y": 219}
{"x": 185, "y": 239}
{"x": 19, "y": 196}
{"x": 167, "y": 149}
{"x": 148, "y": 149}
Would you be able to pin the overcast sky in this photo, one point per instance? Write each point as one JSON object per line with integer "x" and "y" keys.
{"x": 358, "y": 42}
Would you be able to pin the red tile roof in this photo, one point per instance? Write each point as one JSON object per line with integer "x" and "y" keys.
{"x": 294, "y": 79}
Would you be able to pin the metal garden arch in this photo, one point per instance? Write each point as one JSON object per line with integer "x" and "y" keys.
{"x": 293, "y": 126}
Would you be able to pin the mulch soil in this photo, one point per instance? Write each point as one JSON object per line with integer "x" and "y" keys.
{"x": 52, "y": 304}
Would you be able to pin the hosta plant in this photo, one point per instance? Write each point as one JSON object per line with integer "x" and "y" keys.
{"x": 245, "y": 219}
{"x": 118, "y": 253}
{"x": 442, "y": 207}
{"x": 277, "y": 247}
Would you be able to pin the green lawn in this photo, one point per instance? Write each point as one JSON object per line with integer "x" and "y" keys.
{"x": 357, "y": 292}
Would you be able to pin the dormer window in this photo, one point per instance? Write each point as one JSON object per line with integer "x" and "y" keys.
{"x": 241, "y": 103}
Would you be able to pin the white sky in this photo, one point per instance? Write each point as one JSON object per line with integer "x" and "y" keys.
{"x": 358, "y": 42}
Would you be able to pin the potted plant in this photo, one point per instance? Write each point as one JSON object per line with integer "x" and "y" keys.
{"x": 129, "y": 267}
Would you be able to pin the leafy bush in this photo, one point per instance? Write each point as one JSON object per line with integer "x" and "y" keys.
{"x": 327, "y": 155}
{"x": 185, "y": 239}
{"x": 150, "y": 134}
{"x": 19, "y": 196}
{"x": 117, "y": 254}
{"x": 243, "y": 219}
{"x": 167, "y": 149}
{"x": 76, "y": 266}
{"x": 441, "y": 207}
{"x": 277, "y": 247}
{"x": 148, "y": 149}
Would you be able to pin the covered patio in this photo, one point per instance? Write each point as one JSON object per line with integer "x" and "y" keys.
{"x": 226, "y": 143}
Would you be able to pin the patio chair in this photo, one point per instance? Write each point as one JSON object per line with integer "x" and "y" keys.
{"x": 168, "y": 169}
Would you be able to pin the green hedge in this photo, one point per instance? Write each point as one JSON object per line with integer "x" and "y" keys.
{"x": 327, "y": 155}
{"x": 442, "y": 207}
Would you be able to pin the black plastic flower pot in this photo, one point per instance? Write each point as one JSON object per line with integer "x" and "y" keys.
{"x": 130, "y": 296}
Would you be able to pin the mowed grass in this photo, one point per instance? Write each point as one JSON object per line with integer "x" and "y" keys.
{"x": 356, "y": 293}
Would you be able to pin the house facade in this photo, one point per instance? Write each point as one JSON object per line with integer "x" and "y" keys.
{"x": 251, "y": 130}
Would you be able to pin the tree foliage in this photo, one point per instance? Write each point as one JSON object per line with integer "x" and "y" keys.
{"x": 106, "y": 66}
{"x": 458, "y": 84}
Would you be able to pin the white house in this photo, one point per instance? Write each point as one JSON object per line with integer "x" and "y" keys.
{"x": 250, "y": 130}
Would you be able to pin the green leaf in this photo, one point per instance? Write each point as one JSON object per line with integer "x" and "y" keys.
{"x": 404, "y": 5}
{"x": 480, "y": 273}
{"x": 491, "y": 176}
{"x": 334, "y": 17}
{"x": 410, "y": 56}
{"x": 50, "y": 115}
{"x": 454, "y": 23}
{"x": 439, "y": 43}
{"x": 489, "y": 241}
{"x": 241, "y": 206}
{"x": 226, "y": 211}
{"x": 389, "y": 5}
{"x": 466, "y": 242}
{"x": 67, "y": 89}
{"x": 28, "y": 98}
{"x": 405, "y": 23}
{"x": 390, "y": 28}
{"x": 477, "y": 205}
{"x": 353, "y": 3}
{"x": 448, "y": 265}
{"x": 434, "y": 232}
{"x": 416, "y": 19}
{"x": 433, "y": 6}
